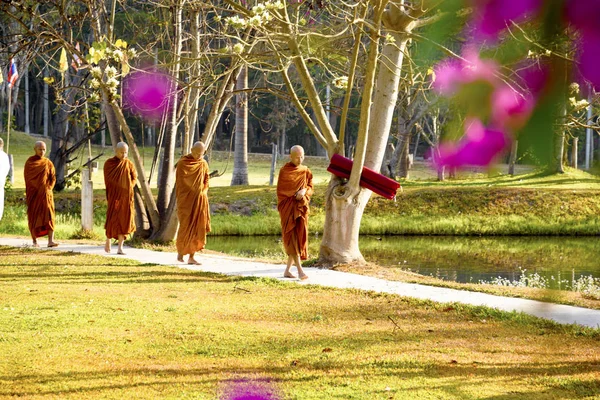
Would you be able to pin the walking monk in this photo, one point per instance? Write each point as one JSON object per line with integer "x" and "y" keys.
{"x": 119, "y": 178}
{"x": 40, "y": 177}
{"x": 294, "y": 189}
{"x": 191, "y": 188}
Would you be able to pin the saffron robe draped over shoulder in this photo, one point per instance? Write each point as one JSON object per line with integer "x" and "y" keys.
{"x": 294, "y": 213}
{"x": 119, "y": 179}
{"x": 40, "y": 177}
{"x": 191, "y": 188}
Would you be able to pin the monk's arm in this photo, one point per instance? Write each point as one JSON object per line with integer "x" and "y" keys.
{"x": 133, "y": 174}
{"x": 206, "y": 178}
{"x": 309, "y": 185}
{"x": 51, "y": 176}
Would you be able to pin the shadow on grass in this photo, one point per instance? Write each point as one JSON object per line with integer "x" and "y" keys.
{"x": 447, "y": 379}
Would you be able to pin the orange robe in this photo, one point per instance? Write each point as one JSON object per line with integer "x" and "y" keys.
{"x": 191, "y": 188}
{"x": 40, "y": 177}
{"x": 294, "y": 213}
{"x": 119, "y": 179}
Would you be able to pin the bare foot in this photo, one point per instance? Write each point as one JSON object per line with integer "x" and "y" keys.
{"x": 120, "y": 252}
{"x": 107, "y": 246}
{"x": 191, "y": 261}
{"x": 289, "y": 275}
{"x": 53, "y": 244}
{"x": 35, "y": 244}
{"x": 303, "y": 277}
{"x": 179, "y": 257}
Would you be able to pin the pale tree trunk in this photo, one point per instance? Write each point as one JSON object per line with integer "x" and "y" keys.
{"x": 574, "y": 150}
{"x": 559, "y": 144}
{"x": 166, "y": 201}
{"x": 345, "y": 204}
{"x": 344, "y": 210}
{"x": 193, "y": 98}
{"x": 46, "y": 109}
{"x": 513, "y": 157}
{"x": 240, "y": 155}
{"x": 404, "y": 164}
{"x": 26, "y": 72}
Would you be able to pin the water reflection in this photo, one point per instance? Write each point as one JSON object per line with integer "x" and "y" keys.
{"x": 460, "y": 259}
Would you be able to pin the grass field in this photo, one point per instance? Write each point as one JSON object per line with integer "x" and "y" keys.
{"x": 78, "y": 326}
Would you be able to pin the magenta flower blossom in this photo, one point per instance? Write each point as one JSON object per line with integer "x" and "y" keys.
{"x": 493, "y": 16}
{"x": 584, "y": 15}
{"x": 589, "y": 57}
{"x": 511, "y": 109}
{"x": 148, "y": 93}
{"x": 478, "y": 147}
{"x": 451, "y": 74}
{"x": 250, "y": 390}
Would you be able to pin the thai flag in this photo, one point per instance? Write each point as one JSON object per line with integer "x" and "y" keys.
{"x": 13, "y": 74}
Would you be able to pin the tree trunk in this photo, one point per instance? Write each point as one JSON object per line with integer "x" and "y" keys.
{"x": 341, "y": 231}
{"x": 240, "y": 155}
{"x": 559, "y": 146}
{"x": 574, "y": 150}
{"x": 513, "y": 157}
{"x": 166, "y": 179}
{"x": 405, "y": 162}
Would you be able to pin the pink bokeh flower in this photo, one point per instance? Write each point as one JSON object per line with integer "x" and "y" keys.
{"x": 492, "y": 16}
{"x": 148, "y": 93}
{"x": 511, "y": 109}
{"x": 452, "y": 73}
{"x": 480, "y": 146}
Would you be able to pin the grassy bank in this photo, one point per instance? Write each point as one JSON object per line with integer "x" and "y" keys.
{"x": 419, "y": 210}
{"x": 77, "y": 326}
{"x": 477, "y": 203}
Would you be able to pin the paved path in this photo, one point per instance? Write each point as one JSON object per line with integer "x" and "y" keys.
{"x": 243, "y": 267}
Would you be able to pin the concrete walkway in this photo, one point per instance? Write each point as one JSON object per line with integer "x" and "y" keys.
{"x": 243, "y": 267}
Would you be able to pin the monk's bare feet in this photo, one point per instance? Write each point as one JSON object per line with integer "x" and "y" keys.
{"x": 191, "y": 261}
{"x": 180, "y": 257}
{"x": 53, "y": 244}
{"x": 289, "y": 275}
{"x": 107, "y": 246}
{"x": 120, "y": 252}
{"x": 35, "y": 244}
{"x": 303, "y": 277}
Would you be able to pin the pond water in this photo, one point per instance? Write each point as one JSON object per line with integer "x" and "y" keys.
{"x": 557, "y": 260}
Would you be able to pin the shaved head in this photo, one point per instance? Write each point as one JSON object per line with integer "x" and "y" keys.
{"x": 198, "y": 150}
{"x": 121, "y": 150}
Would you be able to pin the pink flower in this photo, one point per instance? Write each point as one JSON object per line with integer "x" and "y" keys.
{"x": 493, "y": 16}
{"x": 583, "y": 14}
{"x": 479, "y": 147}
{"x": 511, "y": 109}
{"x": 451, "y": 74}
{"x": 148, "y": 93}
{"x": 589, "y": 57}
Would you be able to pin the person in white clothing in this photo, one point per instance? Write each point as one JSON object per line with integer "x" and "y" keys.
{"x": 4, "y": 169}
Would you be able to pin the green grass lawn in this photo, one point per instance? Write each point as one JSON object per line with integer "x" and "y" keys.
{"x": 79, "y": 326}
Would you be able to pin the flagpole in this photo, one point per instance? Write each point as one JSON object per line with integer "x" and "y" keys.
{"x": 9, "y": 118}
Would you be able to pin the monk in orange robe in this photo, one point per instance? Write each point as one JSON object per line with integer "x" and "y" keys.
{"x": 191, "y": 188}
{"x": 294, "y": 189}
{"x": 40, "y": 177}
{"x": 119, "y": 177}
